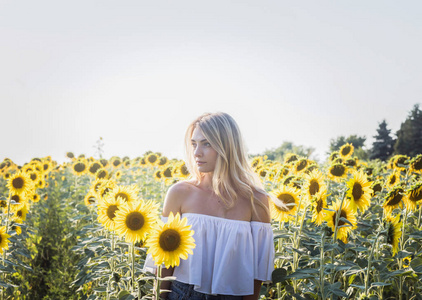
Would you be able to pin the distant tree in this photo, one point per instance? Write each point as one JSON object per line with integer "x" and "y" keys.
{"x": 409, "y": 136}
{"x": 288, "y": 147}
{"x": 356, "y": 141}
{"x": 383, "y": 147}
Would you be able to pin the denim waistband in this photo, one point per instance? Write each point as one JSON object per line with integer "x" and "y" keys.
{"x": 184, "y": 291}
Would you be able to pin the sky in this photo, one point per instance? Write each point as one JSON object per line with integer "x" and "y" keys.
{"x": 136, "y": 73}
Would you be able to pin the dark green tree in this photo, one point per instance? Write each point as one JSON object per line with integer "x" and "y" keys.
{"x": 383, "y": 146}
{"x": 409, "y": 136}
{"x": 356, "y": 141}
{"x": 288, "y": 147}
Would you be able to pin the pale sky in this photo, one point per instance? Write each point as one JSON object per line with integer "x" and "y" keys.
{"x": 138, "y": 72}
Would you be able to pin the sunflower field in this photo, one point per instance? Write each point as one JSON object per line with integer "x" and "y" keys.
{"x": 347, "y": 229}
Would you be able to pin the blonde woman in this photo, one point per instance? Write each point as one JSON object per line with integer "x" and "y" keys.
{"x": 228, "y": 209}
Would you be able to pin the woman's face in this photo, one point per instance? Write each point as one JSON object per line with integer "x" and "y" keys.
{"x": 205, "y": 155}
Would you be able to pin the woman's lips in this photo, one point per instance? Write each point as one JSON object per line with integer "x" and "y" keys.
{"x": 200, "y": 163}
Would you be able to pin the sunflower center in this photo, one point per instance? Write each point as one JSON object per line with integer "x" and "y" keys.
{"x": 167, "y": 172}
{"x": 111, "y": 211}
{"x": 94, "y": 168}
{"x": 390, "y": 234}
{"x": 287, "y": 199}
{"x": 116, "y": 163}
{"x": 152, "y": 158}
{"x": 342, "y": 215}
{"x": 346, "y": 150}
{"x": 357, "y": 191}
{"x": 102, "y": 174}
{"x": 169, "y": 240}
{"x": 91, "y": 200}
{"x": 123, "y": 196}
{"x": 416, "y": 194}
{"x": 301, "y": 164}
{"x": 97, "y": 186}
{"x": 338, "y": 170}
{"x": 33, "y": 176}
{"x": 18, "y": 183}
{"x": 106, "y": 190}
{"x": 19, "y": 214}
{"x": 135, "y": 221}
{"x": 79, "y": 167}
{"x": 184, "y": 170}
{"x": 314, "y": 187}
{"x": 417, "y": 165}
{"x": 0, "y": 239}
{"x": 377, "y": 188}
{"x": 45, "y": 167}
{"x": 395, "y": 199}
{"x": 393, "y": 179}
{"x": 16, "y": 198}
{"x": 319, "y": 205}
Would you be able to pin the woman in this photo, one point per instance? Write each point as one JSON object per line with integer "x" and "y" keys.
{"x": 228, "y": 209}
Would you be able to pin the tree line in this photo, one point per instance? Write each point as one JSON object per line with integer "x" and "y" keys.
{"x": 407, "y": 141}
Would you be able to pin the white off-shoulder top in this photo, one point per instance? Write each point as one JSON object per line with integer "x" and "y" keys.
{"x": 228, "y": 256}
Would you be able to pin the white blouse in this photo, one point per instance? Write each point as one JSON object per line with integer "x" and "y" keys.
{"x": 228, "y": 256}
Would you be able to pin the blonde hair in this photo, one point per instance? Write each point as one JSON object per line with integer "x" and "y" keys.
{"x": 232, "y": 176}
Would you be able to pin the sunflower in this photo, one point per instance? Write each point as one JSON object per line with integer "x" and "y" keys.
{"x": 19, "y": 200}
{"x": 102, "y": 173}
{"x": 20, "y": 214}
{"x": 393, "y": 227}
{"x": 118, "y": 174}
{"x": 162, "y": 161}
{"x": 314, "y": 183}
{"x": 90, "y": 198}
{"x": 46, "y": 166}
{"x": 70, "y": 155}
{"x": 359, "y": 192}
{"x": 17, "y": 229}
{"x": 152, "y": 159}
{"x": 337, "y": 171}
{"x": 351, "y": 162}
{"x": 290, "y": 157}
{"x": 413, "y": 195}
{"x": 171, "y": 241}
{"x": 300, "y": 165}
{"x": 256, "y": 161}
{"x": 128, "y": 193}
{"x": 346, "y": 151}
{"x": 135, "y": 220}
{"x": 183, "y": 171}
{"x": 399, "y": 162}
{"x": 376, "y": 187}
{"x": 319, "y": 202}
{"x": 79, "y": 167}
{"x": 20, "y": 182}
{"x": 107, "y": 211}
{"x": 105, "y": 188}
{"x": 167, "y": 172}
{"x": 4, "y": 242}
{"x": 34, "y": 175}
{"x": 94, "y": 167}
{"x": 346, "y": 212}
{"x": 416, "y": 164}
{"x": 393, "y": 179}
{"x": 333, "y": 156}
{"x": 310, "y": 168}
{"x": 393, "y": 199}
{"x": 157, "y": 175}
{"x": 285, "y": 204}
{"x": 96, "y": 186}
{"x": 115, "y": 162}
{"x": 406, "y": 261}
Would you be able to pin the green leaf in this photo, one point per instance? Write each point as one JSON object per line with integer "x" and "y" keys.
{"x": 303, "y": 274}
{"x": 416, "y": 264}
{"x": 279, "y": 275}
{"x": 380, "y": 284}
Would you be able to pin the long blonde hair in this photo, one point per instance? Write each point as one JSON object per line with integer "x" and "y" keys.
{"x": 232, "y": 176}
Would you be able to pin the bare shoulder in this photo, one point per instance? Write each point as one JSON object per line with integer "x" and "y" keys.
{"x": 175, "y": 196}
{"x": 262, "y": 213}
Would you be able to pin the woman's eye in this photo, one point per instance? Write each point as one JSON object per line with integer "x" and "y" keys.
{"x": 207, "y": 144}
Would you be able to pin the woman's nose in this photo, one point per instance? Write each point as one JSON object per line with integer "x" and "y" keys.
{"x": 197, "y": 151}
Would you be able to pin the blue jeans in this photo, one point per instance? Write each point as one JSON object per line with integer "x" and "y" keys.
{"x": 184, "y": 291}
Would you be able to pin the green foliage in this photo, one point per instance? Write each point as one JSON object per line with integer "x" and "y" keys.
{"x": 383, "y": 146}
{"x": 358, "y": 143}
{"x": 409, "y": 136}
{"x": 287, "y": 147}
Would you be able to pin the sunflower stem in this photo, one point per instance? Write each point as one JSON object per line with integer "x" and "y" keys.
{"x": 419, "y": 218}
{"x": 321, "y": 266}
{"x": 133, "y": 266}
{"x": 370, "y": 262}
{"x": 158, "y": 283}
